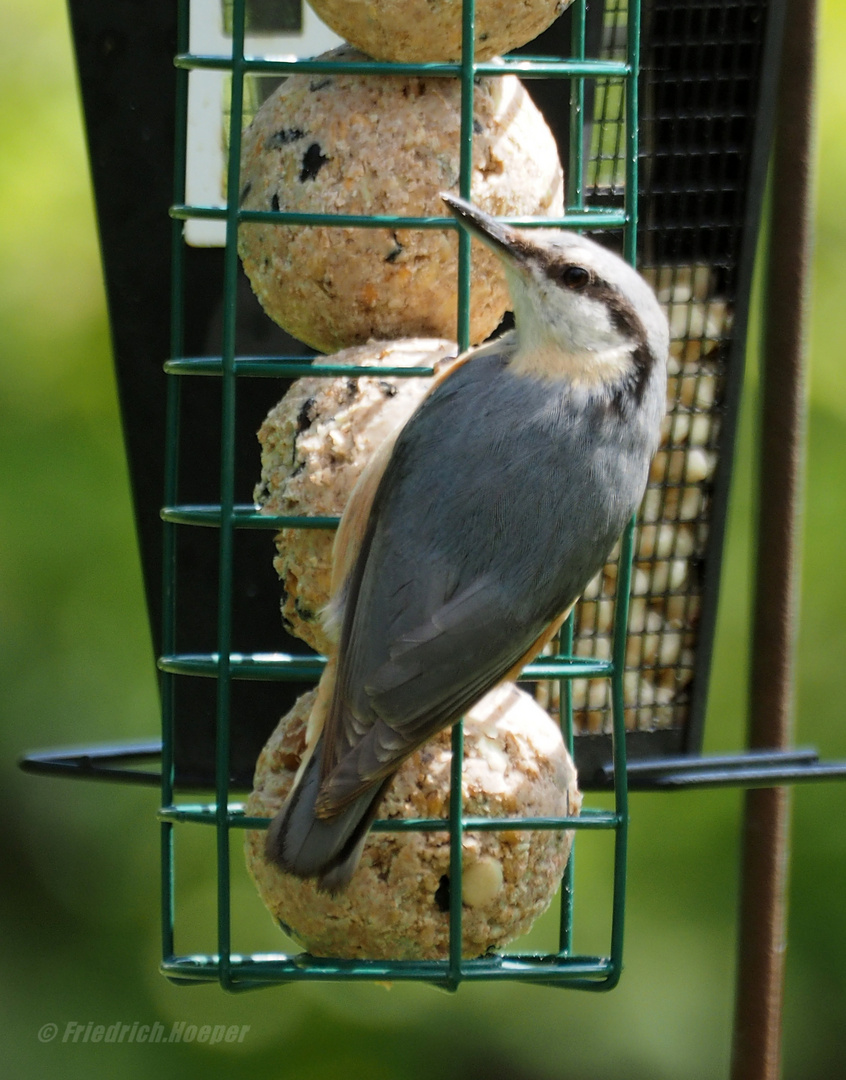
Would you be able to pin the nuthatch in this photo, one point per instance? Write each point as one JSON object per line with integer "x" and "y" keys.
{"x": 473, "y": 531}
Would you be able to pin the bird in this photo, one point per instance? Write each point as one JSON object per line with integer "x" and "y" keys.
{"x": 476, "y": 527}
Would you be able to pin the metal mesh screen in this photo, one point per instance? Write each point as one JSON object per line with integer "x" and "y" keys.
{"x": 701, "y": 67}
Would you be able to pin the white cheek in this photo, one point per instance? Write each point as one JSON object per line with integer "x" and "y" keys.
{"x": 584, "y": 321}
{"x": 543, "y": 309}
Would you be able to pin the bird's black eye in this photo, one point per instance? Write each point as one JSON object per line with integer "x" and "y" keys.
{"x": 575, "y": 277}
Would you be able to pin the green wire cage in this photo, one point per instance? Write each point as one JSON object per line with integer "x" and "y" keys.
{"x": 663, "y": 115}
{"x": 226, "y": 963}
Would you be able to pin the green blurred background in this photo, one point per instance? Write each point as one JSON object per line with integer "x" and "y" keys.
{"x": 80, "y": 937}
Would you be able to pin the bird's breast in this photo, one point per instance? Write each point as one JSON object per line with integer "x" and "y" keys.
{"x": 593, "y": 369}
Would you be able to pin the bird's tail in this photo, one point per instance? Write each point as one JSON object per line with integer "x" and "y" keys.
{"x": 301, "y": 843}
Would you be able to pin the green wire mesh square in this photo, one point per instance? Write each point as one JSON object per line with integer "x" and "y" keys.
{"x": 601, "y": 153}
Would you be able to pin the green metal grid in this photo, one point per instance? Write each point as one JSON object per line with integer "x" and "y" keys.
{"x": 230, "y": 968}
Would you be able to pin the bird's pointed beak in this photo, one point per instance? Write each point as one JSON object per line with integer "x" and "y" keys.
{"x": 508, "y": 243}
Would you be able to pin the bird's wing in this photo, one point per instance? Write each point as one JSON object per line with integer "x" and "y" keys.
{"x": 432, "y": 675}
{"x": 432, "y": 618}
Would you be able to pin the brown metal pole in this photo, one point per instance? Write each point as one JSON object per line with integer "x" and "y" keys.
{"x": 756, "y": 1051}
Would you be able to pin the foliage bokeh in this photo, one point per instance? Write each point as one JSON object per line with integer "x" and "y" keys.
{"x": 80, "y": 899}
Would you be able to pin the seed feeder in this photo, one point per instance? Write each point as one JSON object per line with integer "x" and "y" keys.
{"x": 663, "y": 115}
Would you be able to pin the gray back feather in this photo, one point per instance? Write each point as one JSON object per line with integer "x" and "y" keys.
{"x": 501, "y": 501}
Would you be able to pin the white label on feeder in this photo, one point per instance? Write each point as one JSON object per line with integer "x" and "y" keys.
{"x": 208, "y": 93}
